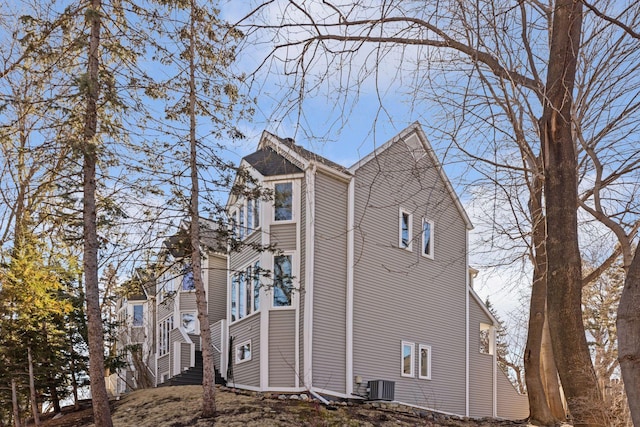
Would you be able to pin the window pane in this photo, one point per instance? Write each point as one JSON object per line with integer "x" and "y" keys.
{"x": 282, "y": 284}
{"x": 189, "y": 322}
{"x": 241, "y": 222}
{"x": 405, "y": 238}
{"x": 256, "y": 286}
{"x": 249, "y": 216}
{"x": 243, "y": 297}
{"x": 407, "y": 359}
{"x": 283, "y": 199}
{"x": 137, "y": 315}
{"x": 424, "y": 362}
{"x": 234, "y": 298}
{"x": 426, "y": 237}
{"x": 248, "y": 292}
{"x": 256, "y": 213}
{"x": 187, "y": 279}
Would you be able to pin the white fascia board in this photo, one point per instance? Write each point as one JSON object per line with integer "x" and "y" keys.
{"x": 484, "y": 308}
{"x": 269, "y": 140}
{"x": 333, "y": 172}
{"x": 232, "y": 198}
{"x": 406, "y": 133}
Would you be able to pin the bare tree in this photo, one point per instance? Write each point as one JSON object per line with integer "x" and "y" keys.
{"x": 504, "y": 77}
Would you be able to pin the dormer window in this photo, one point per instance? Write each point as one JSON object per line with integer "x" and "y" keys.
{"x": 283, "y": 201}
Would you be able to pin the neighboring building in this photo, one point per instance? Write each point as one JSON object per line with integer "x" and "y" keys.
{"x": 369, "y": 294}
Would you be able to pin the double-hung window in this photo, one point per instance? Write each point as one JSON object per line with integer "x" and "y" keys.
{"x": 427, "y": 238}
{"x": 282, "y": 281}
{"x": 245, "y": 292}
{"x": 405, "y": 230}
{"x": 283, "y": 201}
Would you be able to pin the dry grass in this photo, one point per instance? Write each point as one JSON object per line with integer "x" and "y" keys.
{"x": 180, "y": 406}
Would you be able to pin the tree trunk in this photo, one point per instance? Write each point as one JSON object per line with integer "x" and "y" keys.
{"x": 628, "y": 324}
{"x": 14, "y": 403}
{"x": 550, "y": 376}
{"x": 564, "y": 274}
{"x": 32, "y": 389}
{"x": 208, "y": 374}
{"x": 539, "y": 411}
{"x": 100, "y": 399}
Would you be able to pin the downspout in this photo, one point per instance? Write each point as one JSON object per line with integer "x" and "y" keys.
{"x": 466, "y": 388}
{"x": 309, "y": 266}
{"x": 349, "y": 302}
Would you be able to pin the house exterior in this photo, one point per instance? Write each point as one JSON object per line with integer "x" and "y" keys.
{"x": 364, "y": 290}
{"x": 370, "y": 285}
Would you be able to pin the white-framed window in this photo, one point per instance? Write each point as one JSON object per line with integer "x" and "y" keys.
{"x": 138, "y": 315}
{"x": 163, "y": 337}
{"x": 282, "y": 281}
{"x": 408, "y": 359}
{"x": 405, "y": 230}
{"x": 245, "y": 291}
{"x": 283, "y": 201}
{"x": 188, "y": 283}
{"x": 243, "y": 352}
{"x": 424, "y": 362}
{"x": 487, "y": 343}
{"x": 427, "y": 238}
{"x": 189, "y": 322}
{"x": 246, "y": 218}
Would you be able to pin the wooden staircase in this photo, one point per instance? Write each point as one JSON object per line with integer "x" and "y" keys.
{"x": 193, "y": 375}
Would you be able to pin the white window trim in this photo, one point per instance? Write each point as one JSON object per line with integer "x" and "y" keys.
{"x": 133, "y": 316}
{"x": 294, "y": 282}
{"x": 401, "y": 245}
{"x": 420, "y": 348}
{"x": 243, "y": 205}
{"x": 432, "y": 246}
{"x": 492, "y": 338}
{"x": 168, "y": 337}
{"x": 294, "y": 212}
{"x": 237, "y": 360}
{"x": 195, "y": 316}
{"x": 411, "y": 374}
{"x": 249, "y": 310}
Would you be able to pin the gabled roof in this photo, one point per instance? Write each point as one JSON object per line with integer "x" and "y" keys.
{"x": 416, "y": 129}
{"x": 308, "y": 155}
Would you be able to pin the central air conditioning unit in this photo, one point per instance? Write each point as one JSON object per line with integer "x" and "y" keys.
{"x": 382, "y": 390}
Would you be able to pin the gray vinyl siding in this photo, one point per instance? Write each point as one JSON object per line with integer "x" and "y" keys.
{"x": 480, "y": 366}
{"x": 330, "y": 280}
{"x": 401, "y": 295}
{"x": 246, "y": 373}
{"x": 217, "y": 290}
{"x": 282, "y": 348}
{"x": 185, "y": 356}
{"x": 511, "y": 404}
{"x": 187, "y": 301}
{"x": 284, "y": 236}
{"x": 164, "y": 366}
{"x": 246, "y": 255}
{"x": 195, "y": 339}
{"x": 216, "y": 341}
{"x": 165, "y": 308}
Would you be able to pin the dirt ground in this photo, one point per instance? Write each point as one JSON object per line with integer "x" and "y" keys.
{"x": 180, "y": 406}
